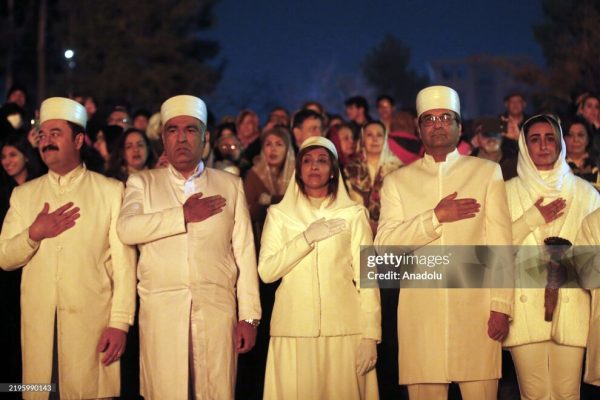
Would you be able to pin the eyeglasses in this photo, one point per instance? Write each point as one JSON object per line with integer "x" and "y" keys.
{"x": 430, "y": 119}
{"x": 228, "y": 146}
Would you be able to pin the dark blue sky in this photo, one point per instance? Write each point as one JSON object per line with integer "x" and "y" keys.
{"x": 290, "y": 51}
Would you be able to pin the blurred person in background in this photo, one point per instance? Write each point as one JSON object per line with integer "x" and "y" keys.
{"x": 248, "y": 131}
{"x": 132, "y": 153}
{"x": 365, "y": 173}
{"x": 581, "y": 155}
{"x": 385, "y": 110}
{"x": 342, "y": 137}
{"x": 403, "y": 140}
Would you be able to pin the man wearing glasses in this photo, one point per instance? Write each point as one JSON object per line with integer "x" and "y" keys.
{"x": 447, "y": 335}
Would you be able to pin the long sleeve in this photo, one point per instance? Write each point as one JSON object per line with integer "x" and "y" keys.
{"x": 276, "y": 257}
{"x": 525, "y": 224}
{"x": 245, "y": 258}
{"x": 395, "y": 229}
{"x": 498, "y": 228}
{"x": 137, "y": 226}
{"x": 16, "y": 249}
{"x": 586, "y": 254}
{"x": 370, "y": 303}
{"x": 123, "y": 272}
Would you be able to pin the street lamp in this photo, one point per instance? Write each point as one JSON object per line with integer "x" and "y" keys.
{"x": 70, "y": 58}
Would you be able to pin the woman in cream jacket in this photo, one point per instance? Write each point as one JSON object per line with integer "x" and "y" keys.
{"x": 546, "y": 200}
{"x": 324, "y": 327}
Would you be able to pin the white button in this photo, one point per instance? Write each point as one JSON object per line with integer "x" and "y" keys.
{"x": 523, "y": 298}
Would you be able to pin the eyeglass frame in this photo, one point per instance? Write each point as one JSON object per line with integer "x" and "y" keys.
{"x": 434, "y": 118}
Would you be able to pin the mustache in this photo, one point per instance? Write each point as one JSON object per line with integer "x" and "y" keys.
{"x": 49, "y": 147}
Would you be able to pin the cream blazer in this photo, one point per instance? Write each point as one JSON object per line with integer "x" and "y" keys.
{"x": 442, "y": 333}
{"x": 205, "y": 269}
{"x": 588, "y": 268}
{"x": 85, "y": 277}
{"x": 320, "y": 292}
{"x": 569, "y": 324}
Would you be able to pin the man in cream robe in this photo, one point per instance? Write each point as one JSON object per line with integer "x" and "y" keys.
{"x": 78, "y": 278}
{"x": 447, "y": 335}
{"x": 198, "y": 283}
{"x": 587, "y": 263}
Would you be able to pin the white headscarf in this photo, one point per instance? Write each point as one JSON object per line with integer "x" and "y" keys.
{"x": 297, "y": 206}
{"x": 554, "y": 183}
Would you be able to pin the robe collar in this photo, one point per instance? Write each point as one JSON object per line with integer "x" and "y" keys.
{"x": 69, "y": 178}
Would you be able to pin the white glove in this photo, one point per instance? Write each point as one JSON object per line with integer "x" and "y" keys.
{"x": 366, "y": 356}
{"x": 322, "y": 229}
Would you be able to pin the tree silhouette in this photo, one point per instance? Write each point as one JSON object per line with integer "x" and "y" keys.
{"x": 142, "y": 52}
{"x": 386, "y": 67}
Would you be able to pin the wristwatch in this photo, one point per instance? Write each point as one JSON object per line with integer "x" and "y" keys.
{"x": 254, "y": 322}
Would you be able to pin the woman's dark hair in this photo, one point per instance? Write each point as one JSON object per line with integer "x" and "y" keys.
{"x": 332, "y": 186}
{"x": 33, "y": 165}
{"x": 579, "y": 120}
{"x": 117, "y": 168}
{"x": 374, "y": 122}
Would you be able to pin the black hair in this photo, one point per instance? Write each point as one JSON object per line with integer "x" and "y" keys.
{"x": 117, "y": 168}
{"x": 386, "y": 97}
{"x": 359, "y": 102}
{"x": 303, "y": 115}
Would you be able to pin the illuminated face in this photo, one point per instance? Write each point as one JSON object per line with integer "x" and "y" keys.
{"x": 439, "y": 136}
{"x": 374, "y": 137}
{"x": 183, "y": 138}
{"x": 13, "y": 161}
{"x": 315, "y": 171}
{"x": 542, "y": 146}
{"x": 274, "y": 150}
{"x": 136, "y": 151}
{"x": 58, "y": 148}
{"x": 577, "y": 139}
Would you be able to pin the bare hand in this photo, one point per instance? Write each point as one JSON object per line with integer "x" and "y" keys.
{"x": 49, "y": 225}
{"x": 197, "y": 208}
{"x": 498, "y": 326}
{"x": 112, "y": 344}
{"x": 245, "y": 337}
{"x": 552, "y": 210}
{"x": 366, "y": 356}
{"x": 451, "y": 209}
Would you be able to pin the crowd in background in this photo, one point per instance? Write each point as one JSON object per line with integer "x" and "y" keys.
{"x": 263, "y": 154}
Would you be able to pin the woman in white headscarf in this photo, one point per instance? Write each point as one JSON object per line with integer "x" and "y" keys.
{"x": 365, "y": 173}
{"x": 324, "y": 326}
{"x": 547, "y": 341}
